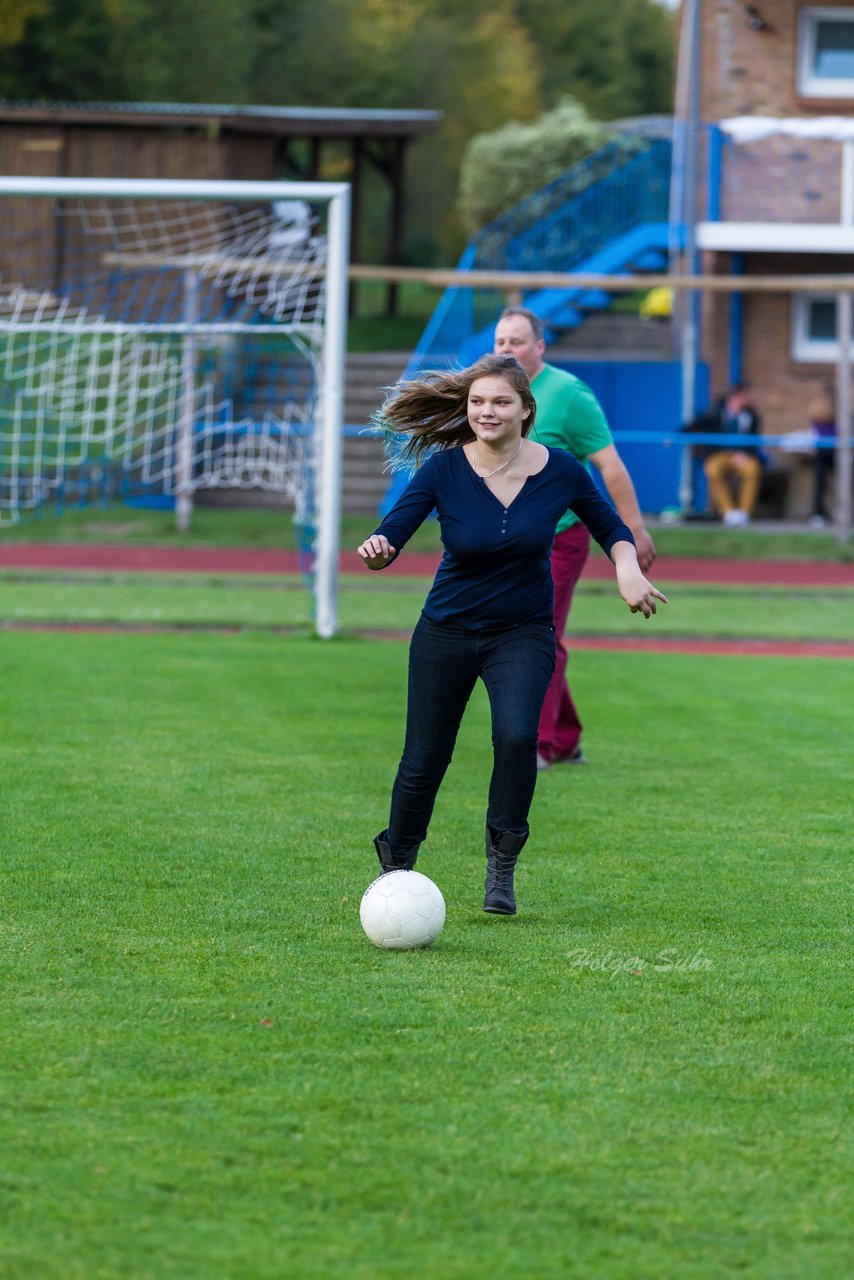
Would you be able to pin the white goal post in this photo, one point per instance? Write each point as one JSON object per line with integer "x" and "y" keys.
{"x": 162, "y": 336}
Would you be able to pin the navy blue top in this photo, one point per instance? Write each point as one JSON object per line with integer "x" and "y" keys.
{"x": 495, "y": 569}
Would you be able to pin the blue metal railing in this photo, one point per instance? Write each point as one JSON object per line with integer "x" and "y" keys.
{"x": 608, "y": 194}
{"x": 620, "y": 187}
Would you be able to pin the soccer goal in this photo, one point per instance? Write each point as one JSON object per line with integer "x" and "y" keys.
{"x": 163, "y": 337}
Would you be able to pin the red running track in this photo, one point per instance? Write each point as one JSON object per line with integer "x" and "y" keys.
{"x": 237, "y": 560}
{"x": 734, "y": 646}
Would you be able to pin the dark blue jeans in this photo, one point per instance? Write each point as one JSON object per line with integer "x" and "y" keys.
{"x": 516, "y": 665}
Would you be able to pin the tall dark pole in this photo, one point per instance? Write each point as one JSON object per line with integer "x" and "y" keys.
{"x": 358, "y": 153}
{"x": 398, "y": 197}
{"x": 684, "y": 207}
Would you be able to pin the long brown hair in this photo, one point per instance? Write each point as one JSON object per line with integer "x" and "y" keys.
{"x": 432, "y": 410}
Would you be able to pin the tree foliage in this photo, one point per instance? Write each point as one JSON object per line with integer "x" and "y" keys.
{"x": 132, "y": 50}
{"x": 502, "y": 167}
{"x": 616, "y": 58}
{"x": 481, "y": 62}
{"x": 14, "y": 16}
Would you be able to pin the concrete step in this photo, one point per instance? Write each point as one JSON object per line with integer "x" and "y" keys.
{"x": 615, "y": 336}
{"x": 367, "y": 376}
{"x": 364, "y": 480}
{"x": 363, "y": 454}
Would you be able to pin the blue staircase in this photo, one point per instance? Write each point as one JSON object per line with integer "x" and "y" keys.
{"x": 608, "y": 214}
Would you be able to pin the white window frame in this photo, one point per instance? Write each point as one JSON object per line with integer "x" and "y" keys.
{"x": 809, "y": 85}
{"x": 804, "y": 348}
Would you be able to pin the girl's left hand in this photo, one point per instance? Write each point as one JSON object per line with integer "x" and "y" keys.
{"x": 639, "y": 594}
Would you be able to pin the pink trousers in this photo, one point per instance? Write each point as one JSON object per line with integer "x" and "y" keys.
{"x": 560, "y": 727}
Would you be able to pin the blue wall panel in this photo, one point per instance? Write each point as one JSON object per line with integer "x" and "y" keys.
{"x": 640, "y": 396}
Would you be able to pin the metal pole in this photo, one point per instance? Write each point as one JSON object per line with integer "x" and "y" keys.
{"x": 843, "y": 513}
{"x": 689, "y": 66}
{"x": 332, "y": 413}
{"x": 736, "y": 325}
{"x": 187, "y": 422}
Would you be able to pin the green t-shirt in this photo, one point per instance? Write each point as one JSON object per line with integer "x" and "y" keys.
{"x": 568, "y": 417}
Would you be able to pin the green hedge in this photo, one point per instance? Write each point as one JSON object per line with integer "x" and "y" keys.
{"x": 504, "y": 166}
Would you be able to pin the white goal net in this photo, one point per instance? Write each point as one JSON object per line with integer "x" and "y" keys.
{"x": 158, "y": 338}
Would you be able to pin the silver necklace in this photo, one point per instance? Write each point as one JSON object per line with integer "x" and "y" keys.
{"x": 504, "y": 464}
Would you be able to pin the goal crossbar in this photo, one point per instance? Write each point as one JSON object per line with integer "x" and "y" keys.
{"x": 172, "y": 189}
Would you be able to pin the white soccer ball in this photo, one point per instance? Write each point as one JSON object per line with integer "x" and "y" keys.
{"x": 402, "y": 910}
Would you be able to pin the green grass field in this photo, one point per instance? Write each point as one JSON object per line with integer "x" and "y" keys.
{"x": 369, "y": 603}
{"x": 210, "y": 1074}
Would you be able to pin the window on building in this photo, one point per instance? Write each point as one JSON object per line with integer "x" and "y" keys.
{"x": 814, "y": 328}
{"x": 826, "y": 53}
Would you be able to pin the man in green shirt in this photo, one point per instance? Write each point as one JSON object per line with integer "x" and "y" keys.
{"x": 568, "y": 417}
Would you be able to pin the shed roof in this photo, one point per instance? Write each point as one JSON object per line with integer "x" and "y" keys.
{"x": 338, "y": 122}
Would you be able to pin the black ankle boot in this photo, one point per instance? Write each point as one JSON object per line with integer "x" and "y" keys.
{"x": 394, "y": 861}
{"x": 502, "y": 850}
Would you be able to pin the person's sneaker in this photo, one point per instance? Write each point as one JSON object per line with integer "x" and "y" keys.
{"x": 574, "y": 757}
{"x": 542, "y": 763}
{"x": 817, "y": 522}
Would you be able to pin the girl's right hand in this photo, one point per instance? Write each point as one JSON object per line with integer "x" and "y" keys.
{"x": 376, "y": 552}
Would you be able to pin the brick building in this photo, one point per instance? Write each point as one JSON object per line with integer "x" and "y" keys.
{"x": 777, "y": 99}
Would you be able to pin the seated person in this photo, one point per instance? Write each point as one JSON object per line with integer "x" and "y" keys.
{"x": 732, "y": 415}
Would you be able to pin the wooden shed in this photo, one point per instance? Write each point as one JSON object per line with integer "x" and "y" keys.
{"x": 176, "y": 140}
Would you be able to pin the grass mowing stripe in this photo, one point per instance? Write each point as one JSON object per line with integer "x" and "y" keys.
{"x": 371, "y": 584}
{"x": 214, "y": 1074}
{"x": 139, "y": 599}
